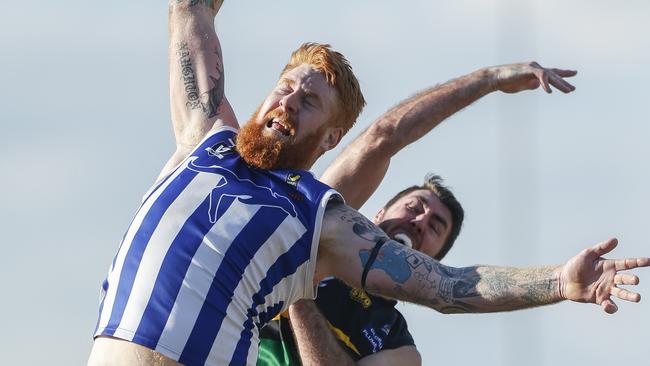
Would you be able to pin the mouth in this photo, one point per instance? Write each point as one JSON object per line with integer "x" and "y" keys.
{"x": 404, "y": 239}
{"x": 279, "y": 126}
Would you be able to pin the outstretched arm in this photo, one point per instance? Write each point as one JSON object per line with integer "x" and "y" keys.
{"x": 399, "y": 272}
{"x": 196, "y": 75}
{"x": 369, "y": 155}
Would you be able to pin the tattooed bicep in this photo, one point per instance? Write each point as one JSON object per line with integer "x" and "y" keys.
{"x": 347, "y": 217}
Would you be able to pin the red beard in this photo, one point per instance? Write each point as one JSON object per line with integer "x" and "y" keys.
{"x": 268, "y": 153}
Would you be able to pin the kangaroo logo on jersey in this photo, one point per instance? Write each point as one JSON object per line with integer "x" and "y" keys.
{"x": 292, "y": 179}
{"x": 231, "y": 188}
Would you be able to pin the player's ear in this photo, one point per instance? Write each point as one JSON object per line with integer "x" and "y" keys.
{"x": 332, "y": 137}
{"x": 378, "y": 217}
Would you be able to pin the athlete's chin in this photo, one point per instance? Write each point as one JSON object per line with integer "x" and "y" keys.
{"x": 259, "y": 154}
{"x": 268, "y": 153}
{"x": 262, "y": 151}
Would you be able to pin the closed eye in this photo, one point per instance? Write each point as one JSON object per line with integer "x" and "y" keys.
{"x": 438, "y": 224}
{"x": 284, "y": 90}
{"x": 312, "y": 101}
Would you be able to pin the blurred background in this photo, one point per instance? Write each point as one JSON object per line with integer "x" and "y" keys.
{"x": 85, "y": 129}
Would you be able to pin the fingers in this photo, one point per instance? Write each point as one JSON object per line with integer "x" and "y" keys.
{"x": 561, "y": 84}
{"x": 554, "y": 77}
{"x": 626, "y": 279}
{"x": 629, "y": 263}
{"x": 604, "y": 247}
{"x": 609, "y": 306}
{"x": 624, "y": 294}
{"x": 565, "y": 73}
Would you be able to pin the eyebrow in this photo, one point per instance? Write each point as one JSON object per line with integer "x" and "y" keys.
{"x": 286, "y": 80}
{"x": 308, "y": 92}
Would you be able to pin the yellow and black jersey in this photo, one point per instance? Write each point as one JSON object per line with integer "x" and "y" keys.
{"x": 363, "y": 324}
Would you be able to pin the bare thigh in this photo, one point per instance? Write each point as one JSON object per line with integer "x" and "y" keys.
{"x": 108, "y": 351}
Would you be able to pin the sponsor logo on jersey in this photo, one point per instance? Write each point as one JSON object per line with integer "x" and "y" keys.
{"x": 374, "y": 339}
{"x": 292, "y": 179}
{"x": 361, "y": 297}
{"x": 386, "y": 329}
{"x": 221, "y": 149}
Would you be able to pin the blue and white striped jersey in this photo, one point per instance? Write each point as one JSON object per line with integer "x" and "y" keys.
{"x": 216, "y": 250}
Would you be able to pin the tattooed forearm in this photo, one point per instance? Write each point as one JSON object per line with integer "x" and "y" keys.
{"x": 188, "y": 76}
{"x": 540, "y": 290}
{"x": 520, "y": 287}
{"x": 419, "y": 278}
{"x": 210, "y": 101}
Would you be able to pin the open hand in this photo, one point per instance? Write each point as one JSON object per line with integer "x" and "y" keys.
{"x": 588, "y": 277}
{"x": 528, "y": 76}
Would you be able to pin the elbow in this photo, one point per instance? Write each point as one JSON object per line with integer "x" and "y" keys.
{"x": 382, "y": 137}
{"x": 417, "y": 359}
{"x": 445, "y": 311}
{"x": 453, "y": 309}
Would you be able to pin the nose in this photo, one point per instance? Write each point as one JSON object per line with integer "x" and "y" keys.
{"x": 289, "y": 103}
{"x": 419, "y": 223}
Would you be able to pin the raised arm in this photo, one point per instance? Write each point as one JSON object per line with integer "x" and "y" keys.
{"x": 348, "y": 238}
{"x": 196, "y": 75}
{"x": 368, "y": 156}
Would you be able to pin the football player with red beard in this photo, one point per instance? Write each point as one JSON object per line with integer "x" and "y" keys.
{"x": 221, "y": 244}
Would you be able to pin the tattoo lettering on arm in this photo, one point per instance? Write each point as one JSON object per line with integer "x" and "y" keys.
{"x": 210, "y": 101}
{"x": 188, "y": 75}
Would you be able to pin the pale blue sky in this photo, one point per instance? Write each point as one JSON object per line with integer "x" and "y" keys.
{"x": 85, "y": 129}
